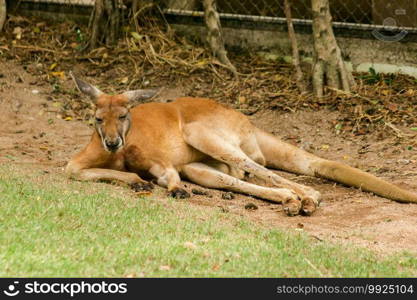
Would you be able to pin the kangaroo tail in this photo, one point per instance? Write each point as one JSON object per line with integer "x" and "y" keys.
{"x": 280, "y": 155}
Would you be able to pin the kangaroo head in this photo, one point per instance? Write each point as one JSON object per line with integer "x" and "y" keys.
{"x": 112, "y": 115}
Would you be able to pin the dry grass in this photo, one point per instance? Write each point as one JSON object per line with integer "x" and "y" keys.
{"x": 154, "y": 55}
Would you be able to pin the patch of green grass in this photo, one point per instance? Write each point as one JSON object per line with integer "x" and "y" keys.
{"x": 372, "y": 77}
{"x": 51, "y": 226}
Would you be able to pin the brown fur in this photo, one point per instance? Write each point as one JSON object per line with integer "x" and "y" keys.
{"x": 209, "y": 144}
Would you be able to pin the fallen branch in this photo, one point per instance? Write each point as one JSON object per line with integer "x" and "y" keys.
{"x": 397, "y": 131}
{"x": 37, "y": 49}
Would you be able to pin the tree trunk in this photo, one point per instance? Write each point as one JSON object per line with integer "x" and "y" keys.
{"x": 136, "y": 4}
{"x": 105, "y": 23}
{"x": 2, "y": 13}
{"x": 137, "y": 8}
{"x": 329, "y": 68}
{"x": 294, "y": 45}
{"x": 214, "y": 35}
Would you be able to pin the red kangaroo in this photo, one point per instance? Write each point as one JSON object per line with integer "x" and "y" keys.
{"x": 206, "y": 143}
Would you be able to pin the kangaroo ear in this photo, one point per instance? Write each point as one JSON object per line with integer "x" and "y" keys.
{"x": 85, "y": 87}
{"x": 141, "y": 94}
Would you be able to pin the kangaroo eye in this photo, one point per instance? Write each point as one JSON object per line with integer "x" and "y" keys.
{"x": 123, "y": 117}
{"x": 98, "y": 120}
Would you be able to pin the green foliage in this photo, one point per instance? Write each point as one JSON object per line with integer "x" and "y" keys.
{"x": 374, "y": 77}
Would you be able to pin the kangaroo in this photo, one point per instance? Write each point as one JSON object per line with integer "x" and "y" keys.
{"x": 206, "y": 143}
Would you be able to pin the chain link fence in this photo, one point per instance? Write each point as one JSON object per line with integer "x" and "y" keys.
{"x": 387, "y": 20}
{"x": 62, "y": 2}
{"x": 389, "y": 13}
{"x": 52, "y": 9}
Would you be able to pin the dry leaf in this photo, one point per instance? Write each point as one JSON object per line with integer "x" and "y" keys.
{"x": 164, "y": 268}
{"x": 392, "y": 107}
{"x": 58, "y": 74}
{"x": 190, "y": 245}
{"x": 17, "y": 31}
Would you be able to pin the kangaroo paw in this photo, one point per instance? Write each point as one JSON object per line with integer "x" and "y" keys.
{"x": 291, "y": 207}
{"x": 309, "y": 206}
{"x": 179, "y": 193}
{"x": 141, "y": 187}
{"x": 310, "y": 203}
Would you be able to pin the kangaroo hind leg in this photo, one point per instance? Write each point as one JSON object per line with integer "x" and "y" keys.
{"x": 210, "y": 177}
{"x": 208, "y": 141}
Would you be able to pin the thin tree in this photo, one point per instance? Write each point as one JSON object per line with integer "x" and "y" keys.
{"x": 328, "y": 68}
{"x": 138, "y": 6}
{"x": 105, "y": 22}
{"x": 214, "y": 34}
{"x": 2, "y": 13}
{"x": 294, "y": 45}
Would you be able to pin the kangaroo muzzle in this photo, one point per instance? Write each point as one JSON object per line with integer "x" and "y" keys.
{"x": 113, "y": 145}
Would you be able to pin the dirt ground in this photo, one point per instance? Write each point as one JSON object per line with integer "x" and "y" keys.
{"x": 34, "y": 135}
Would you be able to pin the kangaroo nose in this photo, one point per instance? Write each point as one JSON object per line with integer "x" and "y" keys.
{"x": 113, "y": 145}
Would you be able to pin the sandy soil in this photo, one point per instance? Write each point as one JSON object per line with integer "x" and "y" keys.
{"x": 34, "y": 135}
